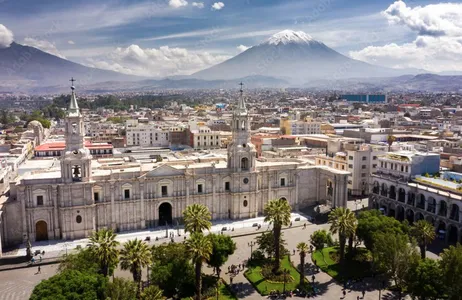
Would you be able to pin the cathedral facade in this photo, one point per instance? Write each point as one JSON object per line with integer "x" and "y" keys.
{"x": 82, "y": 194}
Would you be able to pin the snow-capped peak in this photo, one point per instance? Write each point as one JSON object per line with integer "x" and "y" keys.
{"x": 289, "y": 36}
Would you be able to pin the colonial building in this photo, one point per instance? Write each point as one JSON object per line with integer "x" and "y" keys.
{"x": 82, "y": 194}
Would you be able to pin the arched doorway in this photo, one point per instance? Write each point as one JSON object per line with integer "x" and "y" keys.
{"x": 430, "y": 220}
{"x": 453, "y": 234}
{"x": 165, "y": 214}
{"x": 244, "y": 163}
{"x": 410, "y": 216}
{"x": 41, "y": 231}
{"x": 419, "y": 216}
{"x": 400, "y": 213}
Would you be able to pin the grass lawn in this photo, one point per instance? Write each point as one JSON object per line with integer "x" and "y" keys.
{"x": 263, "y": 286}
{"x": 355, "y": 268}
{"x": 225, "y": 293}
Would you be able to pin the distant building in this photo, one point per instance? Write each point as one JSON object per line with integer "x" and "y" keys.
{"x": 293, "y": 127}
{"x": 368, "y": 99}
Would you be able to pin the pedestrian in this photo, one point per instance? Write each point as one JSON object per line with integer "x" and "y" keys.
{"x": 294, "y": 251}
{"x": 40, "y": 258}
{"x": 304, "y": 226}
{"x": 344, "y": 293}
{"x": 39, "y": 271}
{"x": 364, "y": 293}
{"x": 313, "y": 278}
{"x": 357, "y": 298}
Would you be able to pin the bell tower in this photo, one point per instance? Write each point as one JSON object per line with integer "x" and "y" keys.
{"x": 241, "y": 152}
{"x": 76, "y": 160}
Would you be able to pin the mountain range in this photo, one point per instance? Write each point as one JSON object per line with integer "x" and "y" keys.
{"x": 287, "y": 59}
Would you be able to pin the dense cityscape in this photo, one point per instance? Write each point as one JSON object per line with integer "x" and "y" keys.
{"x": 155, "y": 151}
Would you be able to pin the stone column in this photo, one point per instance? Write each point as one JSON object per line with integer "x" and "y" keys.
{"x": 215, "y": 201}
{"x": 296, "y": 191}
{"x": 142, "y": 207}
{"x": 54, "y": 197}
{"x": 187, "y": 190}
{"x": 113, "y": 208}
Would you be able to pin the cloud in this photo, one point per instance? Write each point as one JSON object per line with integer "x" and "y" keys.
{"x": 43, "y": 45}
{"x": 198, "y": 4}
{"x": 6, "y": 37}
{"x": 156, "y": 62}
{"x": 177, "y": 3}
{"x": 438, "y": 43}
{"x": 218, "y": 5}
{"x": 71, "y": 42}
{"x": 242, "y": 48}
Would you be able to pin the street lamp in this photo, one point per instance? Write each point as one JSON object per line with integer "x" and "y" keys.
{"x": 251, "y": 244}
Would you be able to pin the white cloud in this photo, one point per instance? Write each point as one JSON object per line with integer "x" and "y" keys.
{"x": 218, "y": 5}
{"x": 71, "y": 42}
{"x": 198, "y": 4}
{"x": 6, "y": 37}
{"x": 43, "y": 45}
{"x": 437, "y": 47}
{"x": 242, "y": 48}
{"x": 177, "y": 3}
{"x": 156, "y": 62}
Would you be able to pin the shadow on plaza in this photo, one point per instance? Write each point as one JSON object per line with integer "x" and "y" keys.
{"x": 243, "y": 289}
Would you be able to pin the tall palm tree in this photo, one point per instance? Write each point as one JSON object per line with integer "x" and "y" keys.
{"x": 135, "y": 256}
{"x": 201, "y": 248}
{"x": 390, "y": 140}
{"x": 277, "y": 212}
{"x": 104, "y": 246}
{"x": 197, "y": 218}
{"x": 424, "y": 232}
{"x": 303, "y": 249}
{"x": 342, "y": 221}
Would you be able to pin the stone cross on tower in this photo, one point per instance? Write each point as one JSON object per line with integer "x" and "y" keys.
{"x": 72, "y": 81}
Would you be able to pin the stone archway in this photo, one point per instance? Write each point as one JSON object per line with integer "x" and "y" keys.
{"x": 165, "y": 214}
{"x": 400, "y": 215}
{"x": 453, "y": 234}
{"x": 410, "y": 216}
{"x": 430, "y": 220}
{"x": 41, "y": 231}
{"x": 392, "y": 210}
{"x": 419, "y": 216}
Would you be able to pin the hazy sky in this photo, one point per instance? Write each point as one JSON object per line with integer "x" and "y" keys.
{"x": 168, "y": 37}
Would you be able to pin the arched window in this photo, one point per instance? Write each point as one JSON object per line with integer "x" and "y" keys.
{"x": 244, "y": 163}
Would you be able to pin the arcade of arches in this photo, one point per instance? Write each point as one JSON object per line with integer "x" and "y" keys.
{"x": 412, "y": 204}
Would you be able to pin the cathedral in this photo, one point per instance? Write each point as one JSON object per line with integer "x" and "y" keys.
{"x": 81, "y": 194}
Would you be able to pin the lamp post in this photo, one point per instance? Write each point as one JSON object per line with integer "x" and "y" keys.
{"x": 251, "y": 244}
{"x": 28, "y": 247}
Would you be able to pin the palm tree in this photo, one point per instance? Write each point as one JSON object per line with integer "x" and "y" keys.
{"x": 104, "y": 246}
{"x": 134, "y": 256}
{"x": 197, "y": 218}
{"x": 201, "y": 248}
{"x": 424, "y": 232}
{"x": 152, "y": 292}
{"x": 277, "y": 212}
{"x": 342, "y": 221}
{"x": 303, "y": 249}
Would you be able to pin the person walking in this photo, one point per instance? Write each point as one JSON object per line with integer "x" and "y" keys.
{"x": 39, "y": 270}
{"x": 364, "y": 293}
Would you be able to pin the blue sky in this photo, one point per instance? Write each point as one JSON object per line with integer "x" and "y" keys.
{"x": 168, "y": 37}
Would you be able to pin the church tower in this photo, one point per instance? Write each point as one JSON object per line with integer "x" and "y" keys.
{"x": 241, "y": 152}
{"x": 76, "y": 159}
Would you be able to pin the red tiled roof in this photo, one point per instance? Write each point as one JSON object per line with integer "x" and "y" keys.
{"x": 59, "y": 146}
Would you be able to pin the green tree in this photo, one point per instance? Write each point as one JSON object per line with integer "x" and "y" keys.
{"x": 266, "y": 243}
{"x": 172, "y": 270}
{"x": 451, "y": 264}
{"x": 104, "y": 246}
{"x": 71, "y": 284}
{"x": 390, "y": 140}
{"x": 201, "y": 249}
{"x": 424, "y": 234}
{"x": 373, "y": 221}
{"x": 277, "y": 212}
{"x": 342, "y": 221}
{"x": 222, "y": 247}
{"x": 84, "y": 261}
{"x": 425, "y": 280}
{"x": 197, "y": 218}
{"x": 134, "y": 257}
{"x": 121, "y": 289}
{"x": 303, "y": 249}
{"x": 394, "y": 255}
{"x": 320, "y": 238}
{"x": 152, "y": 292}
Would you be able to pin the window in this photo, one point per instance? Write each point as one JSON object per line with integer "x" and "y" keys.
{"x": 283, "y": 182}
{"x": 96, "y": 196}
{"x": 350, "y": 166}
{"x": 246, "y": 180}
{"x": 363, "y": 174}
{"x": 350, "y": 182}
{"x": 127, "y": 194}
{"x": 374, "y": 158}
{"x": 350, "y": 157}
{"x": 164, "y": 191}
{"x": 363, "y": 167}
{"x": 374, "y": 166}
{"x": 245, "y": 203}
{"x": 364, "y": 158}
{"x": 199, "y": 188}
{"x": 343, "y": 167}
{"x": 78, "y": 219}
{"x": 227, "y": 187}
{"x": 39, "y": 200}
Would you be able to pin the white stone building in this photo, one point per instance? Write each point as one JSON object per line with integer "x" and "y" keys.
{"x": 82, "y": 195}
{"x": 147, "y": 135}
